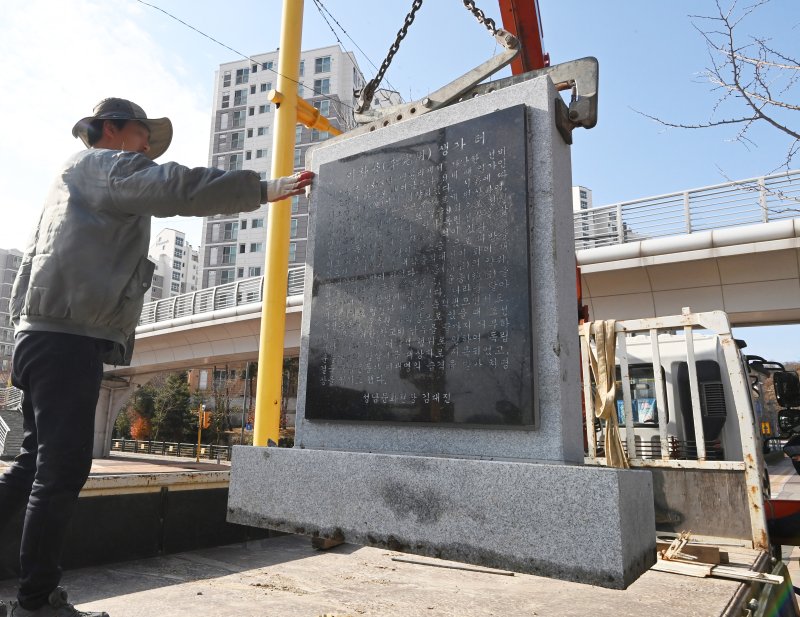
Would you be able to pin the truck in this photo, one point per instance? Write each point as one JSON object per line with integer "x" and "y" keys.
{"x": 685, "y": 405}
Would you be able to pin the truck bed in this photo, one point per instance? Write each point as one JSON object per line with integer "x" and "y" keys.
{"x": 285, "y": 577}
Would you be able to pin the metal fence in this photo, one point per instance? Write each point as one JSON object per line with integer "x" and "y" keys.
{"x": 171, "y": 448}
{"x": 743, "y": 202}
{"x": 230, "y": 295}
{"x": 4, "y": 431}
{"x": 10, "y": 398}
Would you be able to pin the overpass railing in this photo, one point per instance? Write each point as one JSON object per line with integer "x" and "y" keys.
{"x": 229, "y": 295}
{"x": 742, "y": 202}
{"x": 10, "y": 398}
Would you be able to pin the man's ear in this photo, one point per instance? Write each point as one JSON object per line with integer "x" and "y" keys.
{"x": 109, "y": 129}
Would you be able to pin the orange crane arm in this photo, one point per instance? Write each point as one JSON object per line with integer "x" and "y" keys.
{"x": 522, "y": 19}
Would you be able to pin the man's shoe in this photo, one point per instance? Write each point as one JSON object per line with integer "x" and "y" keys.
{"x": 57, "y": 606}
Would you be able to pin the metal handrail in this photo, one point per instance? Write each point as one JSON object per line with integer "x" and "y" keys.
{"x": 229, "y": 295}
{"x": 741, "y": 202}
{"x": 4, "y": 431}
{"x": 10, "y": 398}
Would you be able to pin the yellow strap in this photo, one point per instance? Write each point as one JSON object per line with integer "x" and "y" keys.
{"x": 603, "y": 363}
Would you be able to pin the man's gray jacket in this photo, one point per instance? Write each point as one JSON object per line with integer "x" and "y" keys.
{"x": 85, "y": 270}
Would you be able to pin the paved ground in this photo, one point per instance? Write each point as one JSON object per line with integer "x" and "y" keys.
{"x": 285, "y": 577}
{"x": 785, "y": 484}
{"x": 124, "y": 464}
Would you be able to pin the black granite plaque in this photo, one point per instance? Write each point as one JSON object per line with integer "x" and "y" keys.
{"x": 420, "y": 308}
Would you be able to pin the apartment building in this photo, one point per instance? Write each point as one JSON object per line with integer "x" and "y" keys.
{"x": 177, "y": 265}
{"x": 9, "y": 264}
{"x": 242, "y": 123}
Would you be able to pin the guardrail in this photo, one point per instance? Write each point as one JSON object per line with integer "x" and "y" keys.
{"x": 732, "y": 204}
{"x": 243, "y": 291}
{"x": 743, "y": 202}
{"x": 171, "y": 448}
{"x": 4, "y": 431}
{"x": 10, "y": 398}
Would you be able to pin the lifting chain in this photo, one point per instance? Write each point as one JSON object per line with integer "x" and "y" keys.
{"x": 368, "y": 91}
{"x": 481, "y": 16}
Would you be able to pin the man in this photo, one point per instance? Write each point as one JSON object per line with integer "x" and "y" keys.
{"x": 75, "y": 304}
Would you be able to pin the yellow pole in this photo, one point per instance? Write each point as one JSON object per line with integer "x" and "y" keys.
{"x": 200, "y": 419}
{"x": 276, "y": 267}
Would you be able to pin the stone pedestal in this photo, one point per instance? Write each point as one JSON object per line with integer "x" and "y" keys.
{"x": 439, "y": 394}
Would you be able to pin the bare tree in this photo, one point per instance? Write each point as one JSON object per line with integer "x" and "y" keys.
{"x": 756, "y": 83}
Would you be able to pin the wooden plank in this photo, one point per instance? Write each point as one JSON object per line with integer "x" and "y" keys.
{"x": 704, "y": 553}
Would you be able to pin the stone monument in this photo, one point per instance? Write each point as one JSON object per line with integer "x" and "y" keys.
{"x": 439, "y": 408}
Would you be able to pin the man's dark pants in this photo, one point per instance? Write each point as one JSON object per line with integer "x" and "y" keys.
{"x": 60, "y": 376}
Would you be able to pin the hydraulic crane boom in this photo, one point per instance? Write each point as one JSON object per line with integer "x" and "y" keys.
{"x": 522, "y": 19}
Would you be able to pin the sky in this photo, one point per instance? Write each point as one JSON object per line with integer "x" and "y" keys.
{"x": 60, "y": 58}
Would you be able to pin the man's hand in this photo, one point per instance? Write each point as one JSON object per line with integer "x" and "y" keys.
{"x": 288, "y": 186}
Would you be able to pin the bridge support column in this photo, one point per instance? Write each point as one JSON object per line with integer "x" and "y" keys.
{"x": 114, "y": 394}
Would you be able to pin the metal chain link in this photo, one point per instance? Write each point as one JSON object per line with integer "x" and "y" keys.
{"x": 481, "y": 16}
{"x": 369, "y": 89}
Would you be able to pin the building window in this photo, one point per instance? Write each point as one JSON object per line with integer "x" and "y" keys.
{"x": 228, "y": 256}
{"x": 295, "y": 204}
{"x": 177, "y": 253}
{"x": 318, "y": 135}
{"x": 293, "y": 232}
{"x": 175, "y": 286}
{"x": 302, "y": 67}
{"x": 226, "y": 100}
{"x": 221, "y": 162}
{"x": 256, "y": 247}
{"x": 262, "y": 130}
{"x": 257, "y": 223}
{"x": 237, "y": 140}
{"x": 176, "y": 276}
{"x": 261, "y": 153}
{"x": 230, "y": 231}
{"x": 242, "y": 248}
{"x": 262, "y": 175}
{"x": 242, "y": 76}
{"x": 249, "y": 132}
{"x": 226, "y": 79}
{"x": 176, "y": 265}
{"x": 583, "y": 194}
{"x": 248, "y": 155}
{"x": 251, "y": 111}
{"x": 298, "y": 133}
{"x": 324, "y": 107}
{"x": 178, "y": 241}
{"x": 235, "y": 162}
{"x": 266, "y": 66}
{"x": 322, "y": 86}
{"x": 292, "y": 251}
{"x": 263, "y": 109}
{"x": 322, "y": 65}
{"x": 254, "y": 271}
{"x": 300, "y": 89}
{"x": 239, "y": 97}
{"x": 254, "y": 68}
{"x": 267, "y": 85}
{"x": 238, "y": 119}
{"x": 243, "y": 224}
{"x": 298, "y": 157}
{"x": 253, "y": 89}
{"x": 240, "y": 273}
{"x": 226, "y": 276}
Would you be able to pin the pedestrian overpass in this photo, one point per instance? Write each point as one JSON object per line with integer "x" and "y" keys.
{"x": 733, "y": 247}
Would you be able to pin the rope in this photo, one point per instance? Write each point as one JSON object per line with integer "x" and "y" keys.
{"x": 603, "y": 364}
